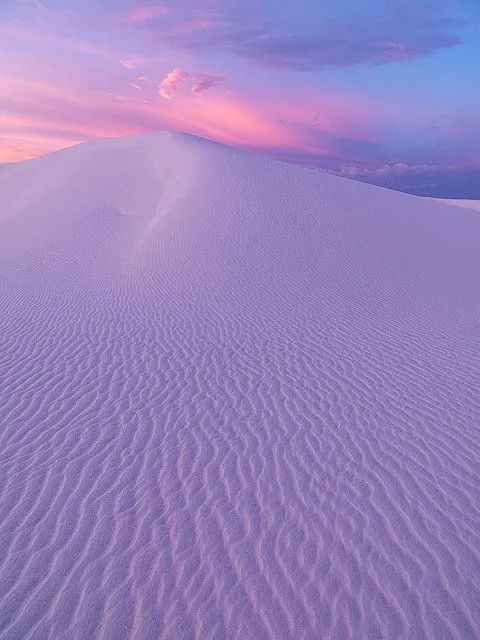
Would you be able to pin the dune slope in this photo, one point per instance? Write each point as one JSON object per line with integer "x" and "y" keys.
{"x": 238, "y": 400}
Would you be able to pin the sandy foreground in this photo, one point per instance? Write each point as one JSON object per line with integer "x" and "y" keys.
{"x": 238, "y": 400}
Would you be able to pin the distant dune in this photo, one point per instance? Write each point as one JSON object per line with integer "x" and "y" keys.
{"x": 466, "y": 204}
{"x": 238, "y": 400}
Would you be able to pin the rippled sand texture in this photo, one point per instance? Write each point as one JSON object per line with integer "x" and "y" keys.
{"x": 239, "y": 400}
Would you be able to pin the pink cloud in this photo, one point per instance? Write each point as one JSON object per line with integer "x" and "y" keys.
{"x": 201, "y": 82}
{"x": 171, "y": 82}
{"x": 395, "y": 51}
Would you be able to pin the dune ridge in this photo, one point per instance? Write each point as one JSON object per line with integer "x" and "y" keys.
{"x": 238, "y": 399}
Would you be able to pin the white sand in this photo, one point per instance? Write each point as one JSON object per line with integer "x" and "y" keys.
{"x": 238, "y": 400}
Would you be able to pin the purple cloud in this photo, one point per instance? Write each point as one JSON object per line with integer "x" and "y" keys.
{"x": 205, "y": 81}
{"x": 376, "y": 37}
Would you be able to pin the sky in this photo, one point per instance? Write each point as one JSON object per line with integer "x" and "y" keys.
{"x": 385, "y": 91}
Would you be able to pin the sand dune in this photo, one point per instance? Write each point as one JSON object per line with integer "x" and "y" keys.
{"x": 466, "y": 204}
{"x": 238, "y": 400}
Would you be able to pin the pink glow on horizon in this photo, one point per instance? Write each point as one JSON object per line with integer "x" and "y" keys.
{"x": 67, "y": 115}
{"x": 232, "y": 122}
{"x": 39, "y": 117}
{"x": 314, "y": 85}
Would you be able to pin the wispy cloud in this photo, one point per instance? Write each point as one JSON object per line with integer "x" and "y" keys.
{"x": 205, "y": 81}
{"x": 131, "y": 63}
{"x": 175, "y": 78}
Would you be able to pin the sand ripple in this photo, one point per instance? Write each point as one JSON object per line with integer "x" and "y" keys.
{"x": 246, "y": 408}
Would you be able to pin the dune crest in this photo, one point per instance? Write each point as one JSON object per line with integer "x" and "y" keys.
{"x": 238, "y": 399}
